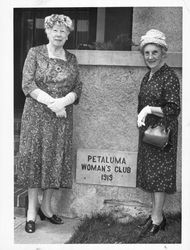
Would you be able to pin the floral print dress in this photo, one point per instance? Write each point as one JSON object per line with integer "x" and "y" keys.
{"x": 45, "y": 152}
{"x": 156, "y": 168}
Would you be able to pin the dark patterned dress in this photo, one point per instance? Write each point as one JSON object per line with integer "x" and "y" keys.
{"x": 45, "y": 153}
{"x": 156, "y": 168}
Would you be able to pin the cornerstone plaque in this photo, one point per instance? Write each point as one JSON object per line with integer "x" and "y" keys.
{"x": 106, "y": 167}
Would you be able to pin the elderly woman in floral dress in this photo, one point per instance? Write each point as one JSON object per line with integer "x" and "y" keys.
{"x": 51, "y": 84}
{"x": 158, "y": 103}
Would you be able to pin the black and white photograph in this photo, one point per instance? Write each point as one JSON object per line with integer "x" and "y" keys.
{"x": 97, "y": 124}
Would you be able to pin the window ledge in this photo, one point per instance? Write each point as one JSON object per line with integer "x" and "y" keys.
{"x": 121, "y": 58}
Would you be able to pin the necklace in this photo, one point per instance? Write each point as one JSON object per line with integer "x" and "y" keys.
{"x": 150, "y": 75}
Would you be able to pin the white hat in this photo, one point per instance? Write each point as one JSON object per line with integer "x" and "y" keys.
{"x": 153, "y": 36}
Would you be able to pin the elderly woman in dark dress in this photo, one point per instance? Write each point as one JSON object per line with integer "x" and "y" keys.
{"x": 51, "y": 85}
{"x": 158, "y": 103}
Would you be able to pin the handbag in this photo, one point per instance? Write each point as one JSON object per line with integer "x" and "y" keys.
{"x": 157, "y": 136}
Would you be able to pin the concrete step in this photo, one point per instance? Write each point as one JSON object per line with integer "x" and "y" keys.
{"x": 46, "y": 233}
{"x": 20, "y": 197}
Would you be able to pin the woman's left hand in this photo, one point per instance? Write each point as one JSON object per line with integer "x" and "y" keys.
{"x": 142, "y": 116}
{"x": 57, "y": 105}
{"x": 61, "y": 113}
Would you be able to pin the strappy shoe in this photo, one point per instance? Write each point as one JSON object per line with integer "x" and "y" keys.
{"x": 30, "y": 226}
{"x": 54, "y": 219}
{"x": 156, "y": 228}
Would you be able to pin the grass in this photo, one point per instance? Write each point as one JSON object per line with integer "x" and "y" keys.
{"x": 103, "y": 228}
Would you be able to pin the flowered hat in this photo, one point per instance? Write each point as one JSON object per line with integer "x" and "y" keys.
{"x": 153, "y": 36}
{"x": 50, "y": 21}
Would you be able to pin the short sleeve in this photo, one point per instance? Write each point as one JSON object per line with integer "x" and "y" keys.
{"x": 171, "y": 96}
{"x": 29, "y": 69}
{"x": 77, "y": 88}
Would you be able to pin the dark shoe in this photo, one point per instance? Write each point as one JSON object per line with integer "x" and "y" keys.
{"x": 144, "y": 222}
{"x": 156, "y": 228}
{"x": 30, "y": 226}
{"x": 145, "y": 228}
{"x": 54, "y": 219}
{"x": 41, "y": 214}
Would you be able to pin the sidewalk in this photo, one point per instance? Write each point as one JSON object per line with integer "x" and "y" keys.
{"x": 46, "y": 232}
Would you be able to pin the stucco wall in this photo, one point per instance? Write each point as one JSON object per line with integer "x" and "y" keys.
{"x": 107, "y": 113}
{"x": 166, "y": 19}
{"x": 106, "y": 119}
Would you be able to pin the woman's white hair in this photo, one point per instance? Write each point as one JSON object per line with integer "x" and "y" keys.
{"x": 50, "y": 21}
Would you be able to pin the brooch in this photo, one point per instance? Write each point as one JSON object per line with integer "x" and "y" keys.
{"x": 58, "y": 69}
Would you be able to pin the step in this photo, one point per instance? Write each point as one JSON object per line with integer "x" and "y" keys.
{"x": 20, "y": 197}
{"x": 20, "y": 193}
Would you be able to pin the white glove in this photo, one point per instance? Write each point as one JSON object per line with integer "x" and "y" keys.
{"x": 62, "y": 102}
{"x": 43, "y": 97}
{"x": 61, "y": 113}
{"x": 142, "y": 116}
